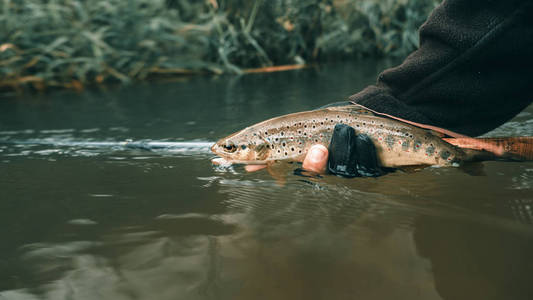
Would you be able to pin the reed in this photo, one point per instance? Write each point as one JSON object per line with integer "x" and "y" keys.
{"x": 72, "y": 43}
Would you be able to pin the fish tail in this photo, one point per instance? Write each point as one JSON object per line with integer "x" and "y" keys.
{"x": 512, "y": 148}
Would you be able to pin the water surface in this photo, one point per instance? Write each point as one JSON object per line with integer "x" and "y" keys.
{"x": 110, "y": 194}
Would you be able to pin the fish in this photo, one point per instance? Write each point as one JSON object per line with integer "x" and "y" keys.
{"x": 397, "y": 143}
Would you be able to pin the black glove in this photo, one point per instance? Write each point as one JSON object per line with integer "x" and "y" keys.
{"x": 352, "y": 155}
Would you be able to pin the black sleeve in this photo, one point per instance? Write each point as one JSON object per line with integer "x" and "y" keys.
{"x": 472, "y": 72}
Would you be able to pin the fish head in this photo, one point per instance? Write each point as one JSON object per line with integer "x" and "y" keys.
{"x": 242, "y": 147}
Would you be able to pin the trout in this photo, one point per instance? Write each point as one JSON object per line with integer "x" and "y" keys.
{"x": 398, "y": 144}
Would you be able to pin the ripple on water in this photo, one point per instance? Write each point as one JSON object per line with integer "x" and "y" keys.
{"x": 182, "y": 216}
{"x": 16, "y": 132}
{"x": 523, "y": 180}
{"x": 82, "y": 222}
{"x": 364, "y": 204}
{"x": 62, "y": 250}
{"x": 262, "y": 201}
{"x": 57, "y": 131}
{"x": 90, "y": 130}
{"x": 513, "y": 128}
{"x": 66, "y": 145}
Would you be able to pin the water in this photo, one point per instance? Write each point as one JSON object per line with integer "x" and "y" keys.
{"x": 110, "y": 194}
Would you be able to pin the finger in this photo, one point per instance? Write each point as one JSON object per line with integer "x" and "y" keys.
{"x": 253, "y": 168}
{"x": 316, "y": 159}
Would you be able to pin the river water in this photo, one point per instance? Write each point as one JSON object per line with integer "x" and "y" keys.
{"x": 110, "y": 194}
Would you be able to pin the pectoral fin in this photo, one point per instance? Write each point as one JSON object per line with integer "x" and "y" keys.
{"x": 278, "y": 171}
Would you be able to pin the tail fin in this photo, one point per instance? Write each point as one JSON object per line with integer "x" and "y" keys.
{"x": 515, "y": 148}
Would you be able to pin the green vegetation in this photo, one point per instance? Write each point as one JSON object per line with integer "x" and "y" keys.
{"x": 70, "y": 43}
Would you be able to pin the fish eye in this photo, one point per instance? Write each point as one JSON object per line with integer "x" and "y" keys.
{"x": 230, "y": 148}
{"x": 243, "y": 147}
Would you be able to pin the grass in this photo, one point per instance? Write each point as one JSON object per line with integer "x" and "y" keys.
{"x": 72, "y": 43}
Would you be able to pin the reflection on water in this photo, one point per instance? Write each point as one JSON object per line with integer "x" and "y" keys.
{"x": 111, "y": 195}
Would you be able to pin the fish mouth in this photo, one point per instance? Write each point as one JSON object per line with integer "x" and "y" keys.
{"x": 246, "y": 162}
{"x": 242, "y": 162}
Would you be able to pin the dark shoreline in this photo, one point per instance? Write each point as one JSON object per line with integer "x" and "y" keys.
{"x": 75, "y": 44}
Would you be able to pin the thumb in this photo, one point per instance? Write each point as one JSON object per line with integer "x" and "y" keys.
{"x": 316, "y": 159}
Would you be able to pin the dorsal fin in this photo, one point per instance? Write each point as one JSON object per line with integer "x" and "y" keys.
{"x": 347, "y": 106}
{"x": 441, "y": 132}
{"x": 335, "y": 104}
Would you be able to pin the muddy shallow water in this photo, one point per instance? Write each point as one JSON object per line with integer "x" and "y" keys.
{"x": 110, "y": 194}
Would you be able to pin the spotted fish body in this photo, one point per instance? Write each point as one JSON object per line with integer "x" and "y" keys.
{"x": 289, "y": 138}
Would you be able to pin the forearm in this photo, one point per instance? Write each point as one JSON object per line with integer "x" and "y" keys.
{"x": 472, "y": 72}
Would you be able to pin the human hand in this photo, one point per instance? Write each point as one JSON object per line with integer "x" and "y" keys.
{"x": 349, "y": 155}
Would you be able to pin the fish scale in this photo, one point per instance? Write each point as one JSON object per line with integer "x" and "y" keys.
{"x": 288, "y": 138}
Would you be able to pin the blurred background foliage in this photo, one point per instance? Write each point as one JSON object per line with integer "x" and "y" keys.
{"x": 71, "y": 43}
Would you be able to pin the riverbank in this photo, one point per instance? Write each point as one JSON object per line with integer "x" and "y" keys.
{"x": 74, "y": 43}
